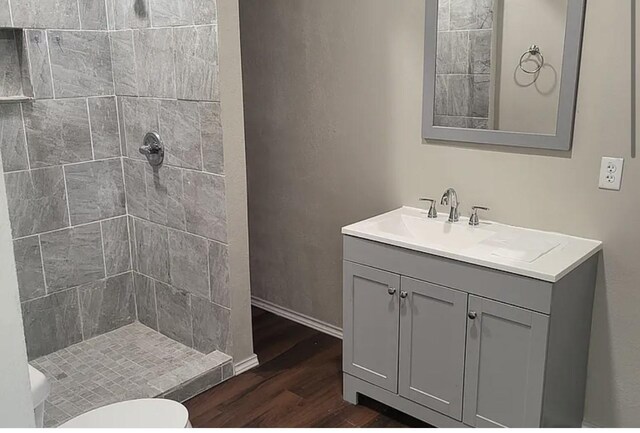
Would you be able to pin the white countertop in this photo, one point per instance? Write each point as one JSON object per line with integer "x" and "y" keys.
{"x": 531, "y": 253}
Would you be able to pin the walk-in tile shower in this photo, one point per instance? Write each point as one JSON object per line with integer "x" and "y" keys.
{"x": 104, "y": 241}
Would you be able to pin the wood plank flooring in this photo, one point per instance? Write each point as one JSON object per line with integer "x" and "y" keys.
{"x": 298, "y": 384}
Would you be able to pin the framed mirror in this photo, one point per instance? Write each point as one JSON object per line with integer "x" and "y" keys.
{"x": 502, "y": 72}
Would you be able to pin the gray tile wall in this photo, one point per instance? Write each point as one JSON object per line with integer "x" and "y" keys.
{"x": 85, "y": 207}
{"x": 165, "y": 65}
{"x": 463, "y": 63}
{"x": 62, "y": 163}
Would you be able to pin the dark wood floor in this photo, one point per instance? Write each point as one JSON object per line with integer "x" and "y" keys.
{"x": 298, "y": 384}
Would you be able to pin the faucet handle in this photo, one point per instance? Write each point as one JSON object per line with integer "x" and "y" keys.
{"x": 433, "y": 211}
{"x": 474, "y": 220}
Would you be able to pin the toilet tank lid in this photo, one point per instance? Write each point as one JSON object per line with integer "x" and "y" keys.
{"x": 40, "y": 386}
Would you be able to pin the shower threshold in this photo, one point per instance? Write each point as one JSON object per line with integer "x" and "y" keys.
{"x": 129, "y": 363}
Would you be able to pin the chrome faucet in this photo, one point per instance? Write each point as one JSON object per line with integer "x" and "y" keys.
{"x": 450, "y": 198}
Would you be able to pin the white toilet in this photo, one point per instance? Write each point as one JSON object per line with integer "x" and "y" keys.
{"x": 144, "y": 413}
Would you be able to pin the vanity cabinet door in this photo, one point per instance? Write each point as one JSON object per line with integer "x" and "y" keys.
{"x": 432, "y": 338}
{"x": 505, "y": 361}
{"x": 371, "y": 322}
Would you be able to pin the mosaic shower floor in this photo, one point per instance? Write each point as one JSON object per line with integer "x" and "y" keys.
{"x": 129, "y": 363}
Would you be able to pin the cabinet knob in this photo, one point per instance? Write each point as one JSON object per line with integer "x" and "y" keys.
{"x": 392, "y": 291}
{"x": 404, "y": 294}
{"x": 473, "y": 315}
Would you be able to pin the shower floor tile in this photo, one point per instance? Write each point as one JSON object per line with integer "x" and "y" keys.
{"x": 129, "y": 363}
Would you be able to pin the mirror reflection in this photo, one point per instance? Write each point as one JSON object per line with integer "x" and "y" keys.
{"x": 499, "y": 64}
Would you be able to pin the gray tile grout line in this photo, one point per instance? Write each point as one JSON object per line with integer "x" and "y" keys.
{"x": 27, "y": 47}
{"x": 26, "y": 143}
{"x": 93, "y": 151}
{"x": 79, "y": 14}
{"x": 104, "y": 257}
{"x": 180, "y": 26}
{"x": 70, "y": 227}
{"x": 66, "y": 193}
{"x": 44, "y": 273}
{"x": 69, "y": 164}
{"x": 10, "y": 13}
{"x": 80, "y": 314}
{"x": 67, "y": 289}
{"x": 155, "y": 280}
{"x": 53, "y": 84}
{"x": 178, "y": 230}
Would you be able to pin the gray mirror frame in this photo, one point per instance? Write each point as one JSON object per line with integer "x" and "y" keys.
{"x": 561, "y": 141}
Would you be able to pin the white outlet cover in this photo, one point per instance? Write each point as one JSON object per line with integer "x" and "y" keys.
{"x": 611, "y": 173}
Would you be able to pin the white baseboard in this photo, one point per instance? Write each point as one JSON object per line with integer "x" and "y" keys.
{"x": 302, "y": 319}
{"x": 246, "y": 365}
{"x": 586, "y": 424}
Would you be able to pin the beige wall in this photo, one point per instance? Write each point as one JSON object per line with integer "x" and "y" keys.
{"x": 525, "y": 104}
{"x": 236, "y": 181}
{"x": 333, "y": 115}
{"x": 16, "y": 406}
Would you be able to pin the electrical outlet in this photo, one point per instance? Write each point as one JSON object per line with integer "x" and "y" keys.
{"x": 611, "y": 173}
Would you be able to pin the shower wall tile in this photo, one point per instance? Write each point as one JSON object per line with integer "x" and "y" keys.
{"x": 146, "y": 300}
{"x": 95, "y": 190}
{"x": 5, "y": 14}
{"x": 93, "y": 14}
{"x": 444, "y": 8}
{"x": 167, "y": 13}
{"x": 152, "y": 250}
{"x": 36, "y": 201}
{"x": 205, "y": 11}
{"x": 211, "y": 326}
{"x": 38, "y": 47}
{"x": 51, "y": 323}
{"x": 115, "y": 239}
{"x": 219, "y": 274}
{"x": 480, "y": 51}
{"x": 188, "y": 263}
{"x": 123, "y": 59}
{"x": 174, "y": 314}
{"x": 29, "y": 268}
{"x": 105, "y": 134}
{"x": 155, "y": 70}
{"x": 107, "y": 305}
{"x": 134, "y": 179}
{"x": 140, "y": 117}
{"x": 165, "y": 196}
{"x": 10, "y": 72}
{"x": 12, "y": 142}
{"x": 45, "y": 14}
{"x": 72, "y": 257}
{"x": 211, "y": 136}
{"x": 57, "y": 132}
{"x": 480, "y": 96}
{"x": 453, "y": 53}
{"x": 81, "y": 63}
{"x": 205, "y": 205}
{"x": 197, "y": 63}
{"x": 180, "y": 129}
{"x": 129, "y": 14}
{"x": 471, "y": 14}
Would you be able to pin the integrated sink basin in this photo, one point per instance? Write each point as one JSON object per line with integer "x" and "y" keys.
{"x": 532, "y": 253}
{"x": 435, "y": 232}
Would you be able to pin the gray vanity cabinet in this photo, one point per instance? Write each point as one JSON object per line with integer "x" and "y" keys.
{"x": 372, "y": 325}
{"x": 432, "y": 333}
{"x": 506, "y": 353}
{"x": 460, "y": 345}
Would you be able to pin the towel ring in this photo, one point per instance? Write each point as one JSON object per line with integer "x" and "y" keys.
{"x": 533, "y": 51}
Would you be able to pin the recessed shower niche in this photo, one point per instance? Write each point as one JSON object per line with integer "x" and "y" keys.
{"x": 15, "y": 76}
